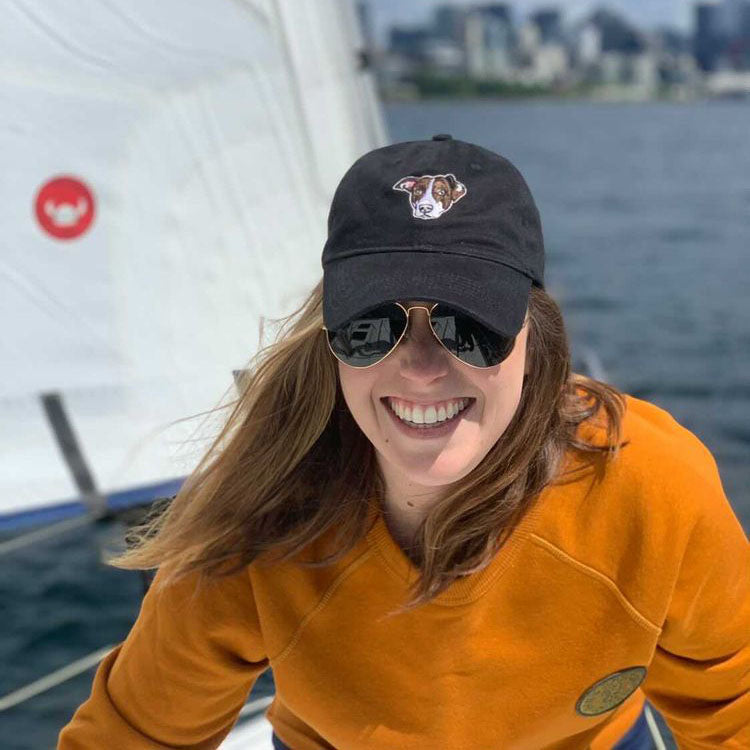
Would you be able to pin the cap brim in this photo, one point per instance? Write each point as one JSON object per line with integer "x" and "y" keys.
{"x": 494, "y": 293}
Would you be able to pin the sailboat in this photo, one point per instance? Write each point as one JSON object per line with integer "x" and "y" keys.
{"x": 167, "y": 173}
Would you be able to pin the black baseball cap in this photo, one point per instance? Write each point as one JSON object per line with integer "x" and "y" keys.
{"x": 440, "y": 220}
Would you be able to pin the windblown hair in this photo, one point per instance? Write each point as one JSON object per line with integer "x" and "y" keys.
{"x": 290, "y": 463}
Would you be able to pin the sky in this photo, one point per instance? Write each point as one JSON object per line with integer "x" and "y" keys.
{"x": 644, "y": 14}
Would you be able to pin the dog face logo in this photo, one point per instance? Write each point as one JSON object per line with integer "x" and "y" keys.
{"x": 431, "y": 195}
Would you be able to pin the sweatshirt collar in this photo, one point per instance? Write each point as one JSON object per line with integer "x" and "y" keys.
{"x": 463, "y": 590}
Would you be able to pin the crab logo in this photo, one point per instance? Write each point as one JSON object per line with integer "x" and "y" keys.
{"x": 64, "y": 214}
{"x": 431, "y": 195}
{"x": 64, "y": 207}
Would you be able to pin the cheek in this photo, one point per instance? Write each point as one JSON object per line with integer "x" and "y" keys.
{"x": 503, "y": 388}
{"x": 503, "y": 396}
{"x": 357, "y": 389}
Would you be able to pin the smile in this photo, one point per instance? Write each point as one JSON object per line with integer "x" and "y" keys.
{"x": 427, "y": 414}
{"x": 434, "y": 429}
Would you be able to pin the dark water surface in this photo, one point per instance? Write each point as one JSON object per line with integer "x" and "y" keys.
{"x": 646, "y": 217}
{"x": 646, "y": 214}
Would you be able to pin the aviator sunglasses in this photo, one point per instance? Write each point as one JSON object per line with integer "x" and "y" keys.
{"x": 369, "y": 338}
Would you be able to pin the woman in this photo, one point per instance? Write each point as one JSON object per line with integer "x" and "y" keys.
{"x": 433, "y": 532}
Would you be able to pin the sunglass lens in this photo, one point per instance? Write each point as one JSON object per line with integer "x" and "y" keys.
{"x": 368, "y": 338}
{"x": 468, "y": 339}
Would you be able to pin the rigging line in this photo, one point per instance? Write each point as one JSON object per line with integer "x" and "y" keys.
{"x": 53, "y": 679}
{"x": 255, "y": 705}
{"x": 594, "y": 367}
{"x": 654, "y": 729}
{"x": 67, "y": 443}
{"x": 23, "y": 540}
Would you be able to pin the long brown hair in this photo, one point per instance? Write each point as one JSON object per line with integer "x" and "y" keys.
{"x": 290, "y": 463}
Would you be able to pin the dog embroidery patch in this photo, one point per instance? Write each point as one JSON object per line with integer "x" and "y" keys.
{"x": 431, "y": 195}
{"x": 610, "y": 691}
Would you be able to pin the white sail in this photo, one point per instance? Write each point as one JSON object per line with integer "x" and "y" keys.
{"x": 204, "y": 140}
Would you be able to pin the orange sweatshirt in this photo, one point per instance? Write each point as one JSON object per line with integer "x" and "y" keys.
{"x": 631, "y": 583}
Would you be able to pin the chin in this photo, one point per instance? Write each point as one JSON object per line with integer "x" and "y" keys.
{"x": 438, "y": 472}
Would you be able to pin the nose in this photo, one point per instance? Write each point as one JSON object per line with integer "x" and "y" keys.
{"x": 425, "y": 208}
{"x": 422, "y": 355}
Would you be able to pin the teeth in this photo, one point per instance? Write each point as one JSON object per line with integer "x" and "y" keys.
{"x": 428, "y": 415}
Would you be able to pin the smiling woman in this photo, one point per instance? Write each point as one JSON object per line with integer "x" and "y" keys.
{"x": 553, "y": 546}
{"x": 430, "y": 418}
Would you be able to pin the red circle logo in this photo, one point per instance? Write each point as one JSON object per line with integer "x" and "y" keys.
{"x": 64, "y": 207}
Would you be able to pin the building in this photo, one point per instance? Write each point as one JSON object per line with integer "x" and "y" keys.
{"x": 549, "y": 23}
{"x": 709, "y": 39}
{"x": 409, "y": 43}
{"x": 541, "y": 54}
{"x": 604, "y": 52}
{"x": 617, "y": 35}
{"x": 449, "y": 23}
{"x": 737, "y": 31}
{"x": 489, "y": 42}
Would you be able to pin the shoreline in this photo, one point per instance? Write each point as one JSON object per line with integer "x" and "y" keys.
{"x": 390, "y": 98}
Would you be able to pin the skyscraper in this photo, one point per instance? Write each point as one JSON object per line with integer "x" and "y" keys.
{"x": 548, "y": 22}
{"x": 708, "y": 42}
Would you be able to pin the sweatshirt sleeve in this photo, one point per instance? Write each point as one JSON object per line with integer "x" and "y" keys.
{"x": 699, "y": 678}
{"x": 181, "y": 676}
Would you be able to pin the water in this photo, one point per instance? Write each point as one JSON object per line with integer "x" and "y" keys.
{"x": 646, "y": 214}
{"x": 646, "y": 217}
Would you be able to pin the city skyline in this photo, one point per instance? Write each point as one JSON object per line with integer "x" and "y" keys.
{"x": 594, "y": 49}
{"x": 644, "y": 13}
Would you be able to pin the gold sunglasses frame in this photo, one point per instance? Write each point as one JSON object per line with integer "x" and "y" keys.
{"x": 406, "y": 328}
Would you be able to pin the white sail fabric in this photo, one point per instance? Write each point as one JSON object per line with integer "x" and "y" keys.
{"x": 211, "y": 135}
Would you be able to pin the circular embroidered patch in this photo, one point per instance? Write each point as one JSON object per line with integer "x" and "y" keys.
{"x": 64, "y": 207}
{"x": 610, "y": 691}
